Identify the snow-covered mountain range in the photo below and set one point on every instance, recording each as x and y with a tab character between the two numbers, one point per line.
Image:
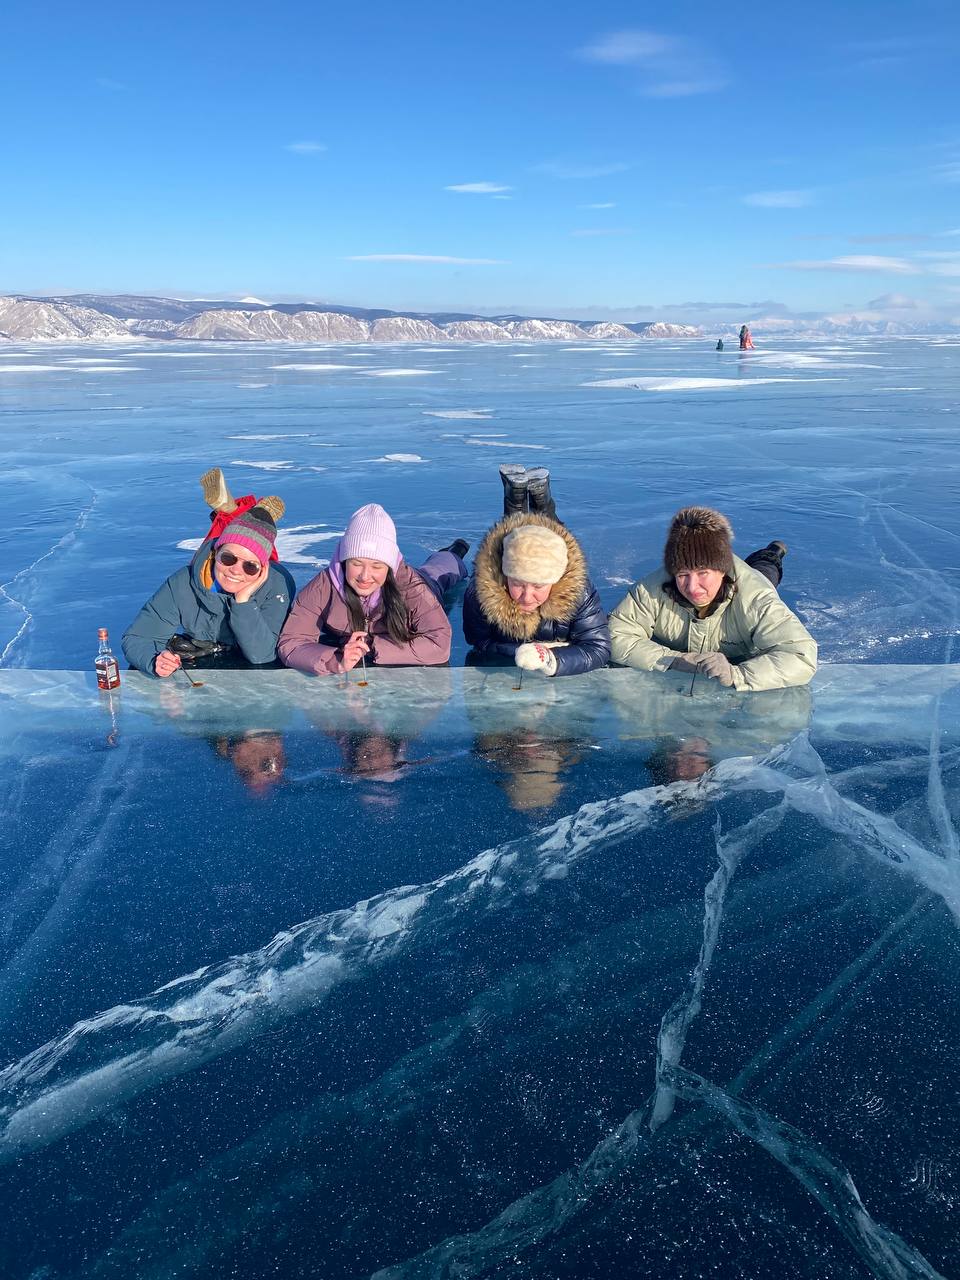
89	317
114	318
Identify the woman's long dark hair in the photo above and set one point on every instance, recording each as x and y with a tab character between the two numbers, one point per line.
396	615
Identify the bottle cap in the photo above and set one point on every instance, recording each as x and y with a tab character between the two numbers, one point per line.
101	633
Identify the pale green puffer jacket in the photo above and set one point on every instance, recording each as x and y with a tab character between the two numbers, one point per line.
768	646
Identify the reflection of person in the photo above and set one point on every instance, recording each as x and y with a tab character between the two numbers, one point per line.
230	602
530	600
711	612
531	765
679	760
259	758
369	604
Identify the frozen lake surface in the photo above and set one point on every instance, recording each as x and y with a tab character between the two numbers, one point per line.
845	451
436	978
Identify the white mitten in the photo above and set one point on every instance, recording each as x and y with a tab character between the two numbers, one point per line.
536	657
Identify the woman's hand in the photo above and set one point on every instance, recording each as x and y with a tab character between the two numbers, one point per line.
248	588
165	663
357	647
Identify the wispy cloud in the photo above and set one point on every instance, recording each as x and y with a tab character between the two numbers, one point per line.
426	257
779	199
603	231
478	188
305	148
889	237
112	86
603	204
667	66
857	262
567	169
948	172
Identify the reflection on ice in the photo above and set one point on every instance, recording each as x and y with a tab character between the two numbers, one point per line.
709	943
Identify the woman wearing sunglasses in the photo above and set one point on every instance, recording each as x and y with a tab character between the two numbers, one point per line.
227	606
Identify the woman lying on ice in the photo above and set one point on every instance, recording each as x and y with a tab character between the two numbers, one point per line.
371	605
530	600
224	609
708	611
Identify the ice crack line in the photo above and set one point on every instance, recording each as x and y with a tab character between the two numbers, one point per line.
63	541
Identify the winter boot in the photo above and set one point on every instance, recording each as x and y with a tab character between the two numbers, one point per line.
215	492
458	547
538	491
769	561
274	506
514	479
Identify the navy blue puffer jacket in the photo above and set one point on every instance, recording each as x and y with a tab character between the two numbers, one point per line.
572	617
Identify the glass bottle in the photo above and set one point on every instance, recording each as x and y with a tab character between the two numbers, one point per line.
105	664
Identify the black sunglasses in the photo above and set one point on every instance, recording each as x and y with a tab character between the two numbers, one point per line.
250	567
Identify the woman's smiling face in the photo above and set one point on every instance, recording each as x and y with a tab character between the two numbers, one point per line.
365	576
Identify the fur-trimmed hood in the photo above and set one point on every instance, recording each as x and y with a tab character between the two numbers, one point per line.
493	596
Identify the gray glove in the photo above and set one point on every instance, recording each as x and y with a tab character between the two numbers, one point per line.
686	662
717	667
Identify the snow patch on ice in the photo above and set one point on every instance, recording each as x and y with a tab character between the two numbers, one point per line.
503	444
695	384
279	435
398	373
313	368
292	543
399	457
457	413
263	466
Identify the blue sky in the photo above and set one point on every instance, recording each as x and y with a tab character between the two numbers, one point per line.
621	159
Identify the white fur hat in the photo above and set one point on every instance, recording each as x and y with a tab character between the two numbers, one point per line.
535	554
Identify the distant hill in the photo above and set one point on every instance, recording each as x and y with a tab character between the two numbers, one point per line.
111	318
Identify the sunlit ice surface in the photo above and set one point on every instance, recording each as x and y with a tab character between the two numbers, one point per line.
437	977
845	450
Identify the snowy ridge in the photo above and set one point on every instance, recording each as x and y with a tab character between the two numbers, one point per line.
57	319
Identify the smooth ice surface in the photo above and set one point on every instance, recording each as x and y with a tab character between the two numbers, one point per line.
850	459
441	978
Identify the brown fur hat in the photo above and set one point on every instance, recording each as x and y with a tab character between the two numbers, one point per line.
699	538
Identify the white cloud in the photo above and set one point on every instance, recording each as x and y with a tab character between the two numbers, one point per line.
478	188
779	199
305	148
426	257
563	169
603	204
857	262
669	66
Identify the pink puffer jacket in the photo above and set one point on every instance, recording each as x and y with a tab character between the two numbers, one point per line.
319	625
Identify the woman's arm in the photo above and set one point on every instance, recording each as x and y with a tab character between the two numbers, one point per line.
786	651
589	643
147	635
631	629
257	622
299	644
430	646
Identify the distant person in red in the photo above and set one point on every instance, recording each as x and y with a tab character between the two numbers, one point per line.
746	342
224	507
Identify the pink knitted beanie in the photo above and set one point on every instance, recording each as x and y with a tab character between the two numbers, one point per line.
370	535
